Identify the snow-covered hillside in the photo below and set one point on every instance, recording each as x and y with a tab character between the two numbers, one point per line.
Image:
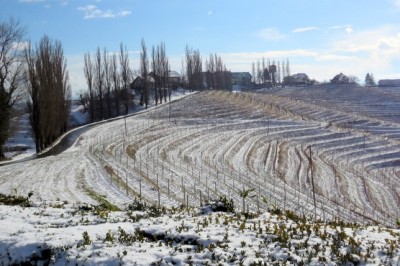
253	148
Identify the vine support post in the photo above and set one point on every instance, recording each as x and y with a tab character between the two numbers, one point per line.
312	181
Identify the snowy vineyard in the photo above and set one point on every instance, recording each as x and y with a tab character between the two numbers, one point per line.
220	143
261	150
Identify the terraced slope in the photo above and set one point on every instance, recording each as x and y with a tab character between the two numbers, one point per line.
221	143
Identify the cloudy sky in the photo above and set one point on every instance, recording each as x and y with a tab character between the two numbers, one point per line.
319	37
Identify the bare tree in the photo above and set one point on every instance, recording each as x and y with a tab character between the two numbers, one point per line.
160	69
144	70
116	82
218	77
125	73
287	68
210	68
262	70
198	69
165	70
253	72
220	70
11	73
283	69
99	81
272	71
88	70
278	72
155	68
194	68
107	81
189	66
49	90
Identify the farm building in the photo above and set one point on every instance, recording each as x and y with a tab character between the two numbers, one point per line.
241	78
297	79
173	80
389	83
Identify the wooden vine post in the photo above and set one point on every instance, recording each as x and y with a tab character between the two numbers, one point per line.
312	182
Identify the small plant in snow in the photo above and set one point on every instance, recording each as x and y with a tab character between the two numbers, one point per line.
245	194
109	237
86	240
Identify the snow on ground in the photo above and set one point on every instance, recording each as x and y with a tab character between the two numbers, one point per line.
61	233
79	115
220	143
21	144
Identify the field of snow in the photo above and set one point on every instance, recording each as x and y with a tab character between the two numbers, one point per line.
253	148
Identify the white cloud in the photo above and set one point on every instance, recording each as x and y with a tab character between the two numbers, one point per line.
373	50
270	34
31	1
339	27
349	30
210	13
384	40
298	30
335	57
91	12
396	4
20	46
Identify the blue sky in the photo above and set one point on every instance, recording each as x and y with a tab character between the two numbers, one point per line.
319	37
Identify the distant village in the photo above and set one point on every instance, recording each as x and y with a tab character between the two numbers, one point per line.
227	80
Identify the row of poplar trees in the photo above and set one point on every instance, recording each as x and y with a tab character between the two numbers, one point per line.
49	91
216	75
107	77
38	71
262	71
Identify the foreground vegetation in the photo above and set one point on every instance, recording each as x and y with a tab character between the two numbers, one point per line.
212	234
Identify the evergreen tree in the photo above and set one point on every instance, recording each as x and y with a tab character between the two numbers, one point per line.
369	80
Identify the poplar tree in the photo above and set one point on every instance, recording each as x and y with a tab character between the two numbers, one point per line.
144	70
49	91
88	70
125	74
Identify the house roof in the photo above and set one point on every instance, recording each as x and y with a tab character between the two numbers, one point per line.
173	74
300	76
241	75
389	82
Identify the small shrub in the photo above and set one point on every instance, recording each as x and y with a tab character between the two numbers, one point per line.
137	205
275	210
14	200
109	237
223	204
86	240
